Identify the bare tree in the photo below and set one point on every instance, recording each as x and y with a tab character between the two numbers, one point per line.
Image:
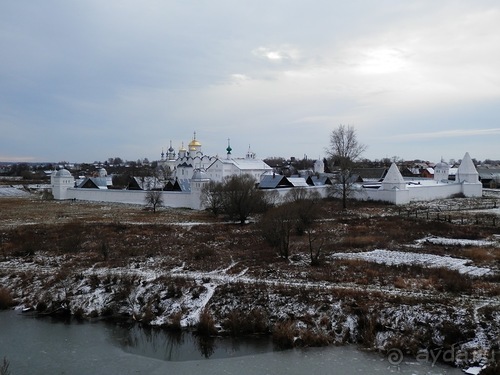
343	152
153	199
297	213
317	239
212	197
277	225
241	198
305	203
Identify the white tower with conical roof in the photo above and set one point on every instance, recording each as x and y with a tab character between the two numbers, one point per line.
467	172
393	179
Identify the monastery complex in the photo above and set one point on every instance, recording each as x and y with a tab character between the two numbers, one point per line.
190	169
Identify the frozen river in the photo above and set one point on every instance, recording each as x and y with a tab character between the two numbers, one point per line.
40	346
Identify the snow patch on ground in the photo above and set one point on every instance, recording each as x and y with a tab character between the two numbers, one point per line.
390	257
456	242
13	191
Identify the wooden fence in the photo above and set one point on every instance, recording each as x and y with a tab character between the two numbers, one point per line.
456	215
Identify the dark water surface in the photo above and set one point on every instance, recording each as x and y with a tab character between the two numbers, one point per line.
41	346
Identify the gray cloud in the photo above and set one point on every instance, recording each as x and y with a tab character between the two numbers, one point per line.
122	78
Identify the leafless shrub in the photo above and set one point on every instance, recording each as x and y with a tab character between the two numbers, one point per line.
492	369
283	334
175	321
78	314
108	311
241	322
41	306
6	299
148	314
451	281
313	338
206	324
197	290
367	323
453	334
480	255
122	293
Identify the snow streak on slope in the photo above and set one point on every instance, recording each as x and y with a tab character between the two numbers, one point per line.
408	258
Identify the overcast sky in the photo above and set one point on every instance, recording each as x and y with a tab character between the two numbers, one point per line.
89	80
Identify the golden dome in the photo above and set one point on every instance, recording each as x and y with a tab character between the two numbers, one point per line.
194	143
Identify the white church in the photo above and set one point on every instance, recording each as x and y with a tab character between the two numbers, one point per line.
191	170
183	164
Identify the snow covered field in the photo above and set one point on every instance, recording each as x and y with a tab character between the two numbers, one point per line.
13	191
396	257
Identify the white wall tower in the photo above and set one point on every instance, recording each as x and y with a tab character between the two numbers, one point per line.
61	181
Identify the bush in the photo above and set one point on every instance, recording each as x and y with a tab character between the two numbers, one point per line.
6	299
79	314
241	322
453	281
175	321
314	338
41	307
284	334
492	369
206	324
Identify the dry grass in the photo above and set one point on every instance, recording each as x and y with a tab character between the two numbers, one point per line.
83	235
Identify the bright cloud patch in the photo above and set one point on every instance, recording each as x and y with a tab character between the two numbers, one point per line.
279	54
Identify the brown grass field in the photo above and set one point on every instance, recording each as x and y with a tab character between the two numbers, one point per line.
145	263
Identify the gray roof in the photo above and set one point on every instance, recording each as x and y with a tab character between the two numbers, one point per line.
185	184
274	181
298	181
319	180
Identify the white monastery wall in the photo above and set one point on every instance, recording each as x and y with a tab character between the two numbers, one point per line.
472	190
170	198
430	192
392	196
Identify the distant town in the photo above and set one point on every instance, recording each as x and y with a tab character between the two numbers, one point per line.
119	168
